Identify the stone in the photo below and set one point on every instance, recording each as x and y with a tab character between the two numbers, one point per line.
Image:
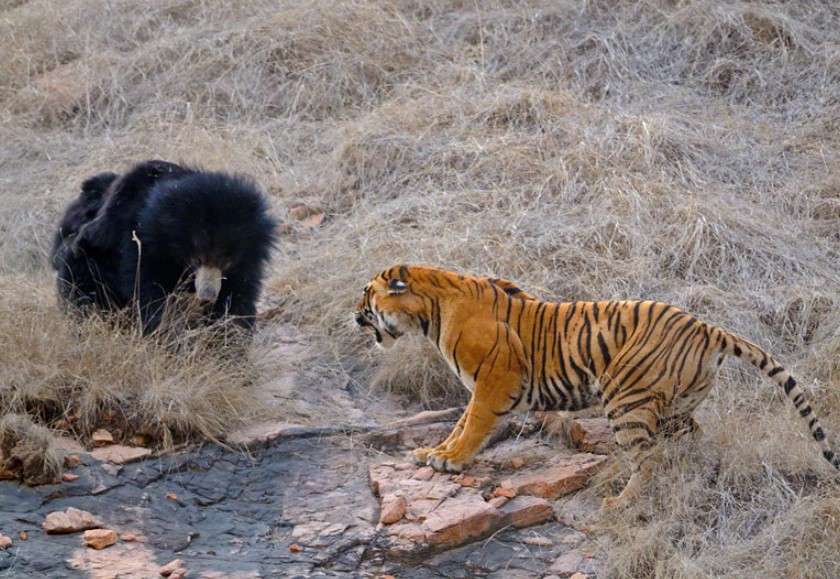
516	463
168	569
465	480
127	538
111	469
564	477
5	542
571	563
99	538
120	454
424	473
579	576
498	502
23	536
457	521
440	512
119	560
101	437
71	521
69	477
593	435
392	509
306	215
526	511
301	211
505	492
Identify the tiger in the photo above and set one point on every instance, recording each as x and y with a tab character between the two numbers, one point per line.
649	364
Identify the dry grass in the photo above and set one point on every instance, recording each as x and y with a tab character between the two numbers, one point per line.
79	375
28	451
683	151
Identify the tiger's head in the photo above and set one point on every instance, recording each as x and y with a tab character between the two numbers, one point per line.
390	307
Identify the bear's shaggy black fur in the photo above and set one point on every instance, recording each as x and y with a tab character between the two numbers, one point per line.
81	281
161	229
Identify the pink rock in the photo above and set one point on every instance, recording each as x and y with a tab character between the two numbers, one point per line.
526	511
99	538
381	474
458	520
392	510
70	521
102	437
171	567
564	477
593	435
424	473
498	502
5	542
119	454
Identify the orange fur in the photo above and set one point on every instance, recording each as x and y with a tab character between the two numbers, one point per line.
648	363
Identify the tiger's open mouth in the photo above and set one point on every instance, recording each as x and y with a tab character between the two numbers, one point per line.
366	319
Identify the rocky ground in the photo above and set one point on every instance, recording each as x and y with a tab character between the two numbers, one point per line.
315	502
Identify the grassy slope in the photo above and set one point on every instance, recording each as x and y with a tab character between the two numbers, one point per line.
667	149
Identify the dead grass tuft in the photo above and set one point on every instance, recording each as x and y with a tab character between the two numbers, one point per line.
87	373
29	452
682	151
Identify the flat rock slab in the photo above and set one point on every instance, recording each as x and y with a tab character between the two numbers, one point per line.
298	505
564	476
120	454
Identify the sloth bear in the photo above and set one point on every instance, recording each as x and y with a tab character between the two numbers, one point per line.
82	281
163	229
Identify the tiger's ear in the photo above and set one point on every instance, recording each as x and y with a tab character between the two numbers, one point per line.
396	287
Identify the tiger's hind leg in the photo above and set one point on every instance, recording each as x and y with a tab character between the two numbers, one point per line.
680	425
634	430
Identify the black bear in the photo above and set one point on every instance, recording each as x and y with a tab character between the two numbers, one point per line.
82	281
163	229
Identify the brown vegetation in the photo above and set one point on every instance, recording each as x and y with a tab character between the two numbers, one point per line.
667	149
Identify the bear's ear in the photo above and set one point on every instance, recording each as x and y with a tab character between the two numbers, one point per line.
396	287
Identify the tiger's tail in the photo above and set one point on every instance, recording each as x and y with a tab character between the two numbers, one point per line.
745	350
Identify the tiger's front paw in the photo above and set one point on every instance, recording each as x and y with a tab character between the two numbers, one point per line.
421	455
442	461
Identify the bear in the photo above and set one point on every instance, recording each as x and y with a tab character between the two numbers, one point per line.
166	230
81	281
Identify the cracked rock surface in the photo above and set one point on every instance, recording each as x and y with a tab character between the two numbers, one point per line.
311	502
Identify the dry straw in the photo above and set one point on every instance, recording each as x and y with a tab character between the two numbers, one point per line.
668	149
